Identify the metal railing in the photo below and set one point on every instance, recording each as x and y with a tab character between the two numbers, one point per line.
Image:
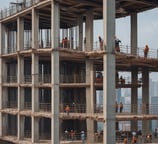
27	78
27	105
150	109
12	104
153	53
13	9
46	78
73	108
45	107
72	78
11	79
27	134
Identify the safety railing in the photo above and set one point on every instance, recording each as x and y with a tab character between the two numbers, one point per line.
27	105
72	135
45	107
17	7
11	79
46	78
27	78
27	133
12	104
149	109
153	53
73	108
73	78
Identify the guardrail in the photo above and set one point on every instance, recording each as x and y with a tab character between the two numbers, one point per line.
128	109
17	7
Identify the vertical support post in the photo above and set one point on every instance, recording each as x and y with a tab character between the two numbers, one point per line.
90	100
20	96
109	72
134	97
134	34
55	127
35	28
80	24
20	34
35	97
89	30
145	100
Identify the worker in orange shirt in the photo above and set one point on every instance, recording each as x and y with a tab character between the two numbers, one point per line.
146	50
67	109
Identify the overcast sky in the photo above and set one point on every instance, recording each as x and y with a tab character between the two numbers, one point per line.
147	28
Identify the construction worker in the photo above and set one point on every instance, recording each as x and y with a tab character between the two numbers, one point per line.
67	109
83	137
125	141
134	140
146	50
100	42
117	46
116	105
121	107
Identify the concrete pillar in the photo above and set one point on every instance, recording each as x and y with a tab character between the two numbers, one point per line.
55	74
2	45
145	100
80	24
20	96
20	127
134	33
134	98
4	124
20	34
71	37
89	30
35	28
35	72
2	38
35	129
109	72
90	100
35	97
20	79
4	90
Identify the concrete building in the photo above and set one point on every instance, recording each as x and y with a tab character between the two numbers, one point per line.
50	73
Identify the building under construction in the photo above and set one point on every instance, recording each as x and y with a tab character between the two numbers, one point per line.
51	72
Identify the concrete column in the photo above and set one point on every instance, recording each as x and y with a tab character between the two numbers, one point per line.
134	98
35	129
71	37
20	96
145	100
35	28
55	74
4	124
134	33
35	98
90	99
80	24
109	72
4	89
20	34
20	127
89	30
2	40
20	80
35	72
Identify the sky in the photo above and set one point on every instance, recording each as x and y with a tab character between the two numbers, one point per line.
147	29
